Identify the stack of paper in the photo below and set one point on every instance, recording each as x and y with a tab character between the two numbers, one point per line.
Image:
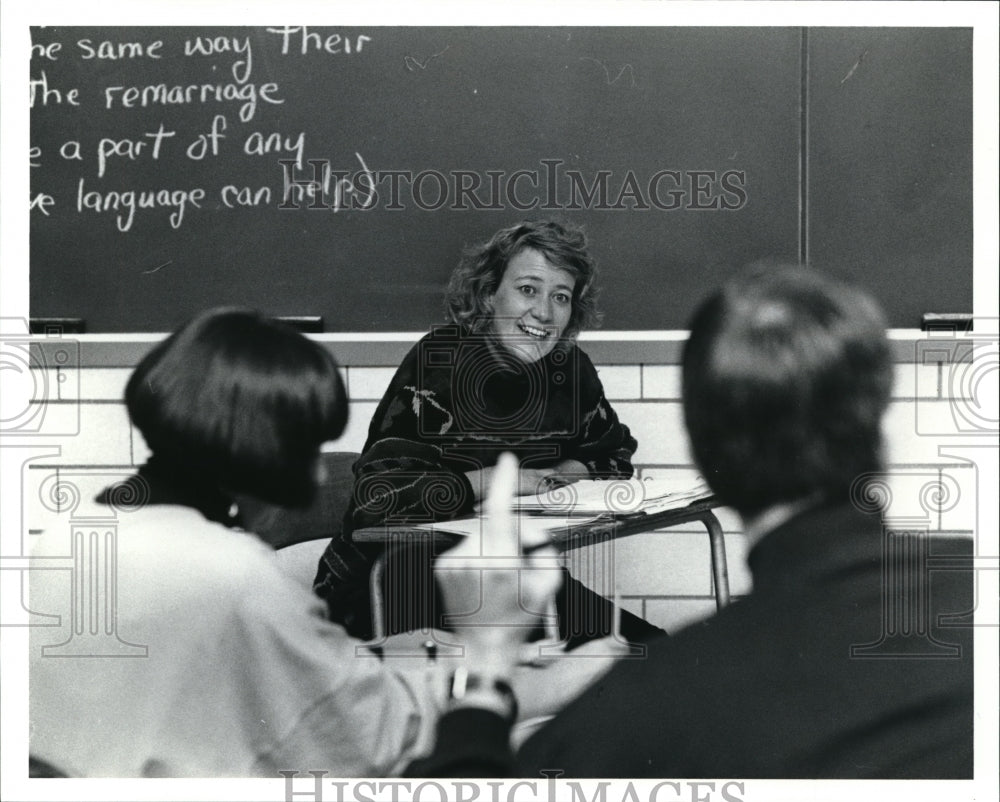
592	497
531	527
569	506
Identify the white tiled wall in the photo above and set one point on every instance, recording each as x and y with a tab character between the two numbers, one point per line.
664	576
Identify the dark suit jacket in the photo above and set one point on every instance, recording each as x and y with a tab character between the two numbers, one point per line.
840	663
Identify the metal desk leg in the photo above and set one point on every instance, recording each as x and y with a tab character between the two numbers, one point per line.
378	605
386	601
720	569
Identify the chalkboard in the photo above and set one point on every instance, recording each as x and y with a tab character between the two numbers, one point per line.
890	116
680	151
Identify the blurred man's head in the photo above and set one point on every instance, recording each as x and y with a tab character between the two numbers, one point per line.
787	374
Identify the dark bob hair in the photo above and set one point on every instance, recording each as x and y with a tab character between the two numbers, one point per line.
481	270
787	375
238	402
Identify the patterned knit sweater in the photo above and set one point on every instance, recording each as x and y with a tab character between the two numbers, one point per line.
456	403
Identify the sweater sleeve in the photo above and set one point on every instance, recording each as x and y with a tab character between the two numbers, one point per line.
400	480
605	445
402	477
329	703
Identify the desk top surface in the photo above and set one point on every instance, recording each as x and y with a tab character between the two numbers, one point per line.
564	532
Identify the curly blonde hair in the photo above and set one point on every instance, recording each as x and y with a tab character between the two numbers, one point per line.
481	270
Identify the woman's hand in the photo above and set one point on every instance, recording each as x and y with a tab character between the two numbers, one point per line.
493	584
527	481
531	481
565	473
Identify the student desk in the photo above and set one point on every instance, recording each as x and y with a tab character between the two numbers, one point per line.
605	528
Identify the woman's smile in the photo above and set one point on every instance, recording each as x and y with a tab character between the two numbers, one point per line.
533	305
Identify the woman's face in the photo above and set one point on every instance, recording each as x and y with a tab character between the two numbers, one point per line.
532	306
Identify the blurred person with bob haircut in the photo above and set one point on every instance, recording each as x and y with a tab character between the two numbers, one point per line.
236	405
218	663
786	379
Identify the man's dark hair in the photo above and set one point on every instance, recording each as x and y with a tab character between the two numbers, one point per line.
787	374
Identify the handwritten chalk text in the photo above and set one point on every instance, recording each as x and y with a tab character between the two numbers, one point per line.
49	95
209	143
551	188
210	46
333	44
42	203
129	97
258	144
49	51
131	149
115	51
232	197
358	190
125	203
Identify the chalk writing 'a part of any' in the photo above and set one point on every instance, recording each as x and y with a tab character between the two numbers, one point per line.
293	41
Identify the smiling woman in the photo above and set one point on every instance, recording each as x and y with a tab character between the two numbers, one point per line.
504	375
532	305
474	286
